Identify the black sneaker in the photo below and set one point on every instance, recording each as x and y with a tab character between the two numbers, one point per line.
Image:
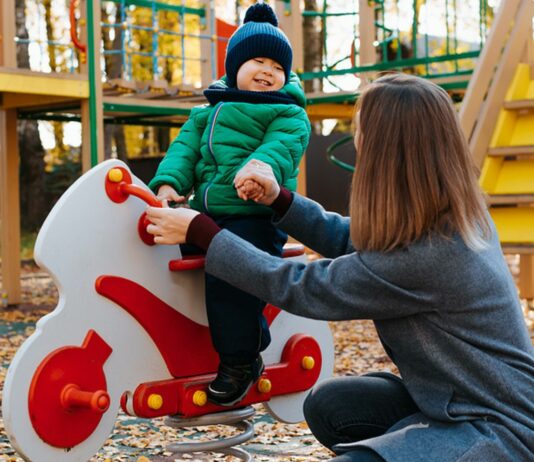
233	382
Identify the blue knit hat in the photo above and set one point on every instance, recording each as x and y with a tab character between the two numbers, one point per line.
259	36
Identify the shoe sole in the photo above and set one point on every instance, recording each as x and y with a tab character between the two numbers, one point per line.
239	398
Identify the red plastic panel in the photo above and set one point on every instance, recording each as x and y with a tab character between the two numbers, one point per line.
145	236
286	377
191	262
184	344
68	392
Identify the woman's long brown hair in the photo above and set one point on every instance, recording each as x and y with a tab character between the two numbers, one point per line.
414	176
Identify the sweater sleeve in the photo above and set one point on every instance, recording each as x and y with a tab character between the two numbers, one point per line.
340	289
284	143
325	232
177	168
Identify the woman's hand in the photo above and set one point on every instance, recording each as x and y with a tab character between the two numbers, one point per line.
169	226
262	174
168	193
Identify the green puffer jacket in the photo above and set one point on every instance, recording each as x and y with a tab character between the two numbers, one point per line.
219	139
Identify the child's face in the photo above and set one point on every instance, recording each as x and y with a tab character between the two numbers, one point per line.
260	74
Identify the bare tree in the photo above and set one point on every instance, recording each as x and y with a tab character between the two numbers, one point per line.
313	51
114	70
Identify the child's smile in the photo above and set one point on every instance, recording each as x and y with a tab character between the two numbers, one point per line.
263	82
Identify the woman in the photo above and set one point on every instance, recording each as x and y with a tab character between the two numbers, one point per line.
421	258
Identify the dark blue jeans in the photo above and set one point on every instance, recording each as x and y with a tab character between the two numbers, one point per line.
350	409
238	329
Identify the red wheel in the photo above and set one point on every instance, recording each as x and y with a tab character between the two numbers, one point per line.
68	393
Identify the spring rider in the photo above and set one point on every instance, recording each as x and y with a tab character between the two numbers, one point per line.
130	331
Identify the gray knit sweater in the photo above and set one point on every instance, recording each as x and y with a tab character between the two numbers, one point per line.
449	318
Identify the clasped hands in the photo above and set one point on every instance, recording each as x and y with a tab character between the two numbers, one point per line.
255	181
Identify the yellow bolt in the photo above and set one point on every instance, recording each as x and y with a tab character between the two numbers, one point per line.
264	386
115	175
155	401
200	398
82	22
287	13
308	362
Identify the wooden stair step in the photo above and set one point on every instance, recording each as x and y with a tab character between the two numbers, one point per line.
518	248
511	151
519	104
510	199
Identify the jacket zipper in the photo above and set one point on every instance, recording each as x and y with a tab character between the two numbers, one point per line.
210	148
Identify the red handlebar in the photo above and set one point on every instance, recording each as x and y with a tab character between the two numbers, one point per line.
137	191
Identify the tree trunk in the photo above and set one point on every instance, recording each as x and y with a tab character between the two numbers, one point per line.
114	134
313	51
32	173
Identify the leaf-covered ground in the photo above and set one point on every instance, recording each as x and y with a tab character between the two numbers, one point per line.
357	351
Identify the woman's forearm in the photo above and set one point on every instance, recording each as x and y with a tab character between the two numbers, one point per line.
201	231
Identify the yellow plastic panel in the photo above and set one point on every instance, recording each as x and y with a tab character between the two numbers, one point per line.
515	177
504	128
490	173
520	83
523	132
515	225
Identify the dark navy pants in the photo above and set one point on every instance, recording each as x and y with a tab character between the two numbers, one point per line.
351	409
238	329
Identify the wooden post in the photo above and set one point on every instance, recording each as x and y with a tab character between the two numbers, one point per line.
290	21
367	36
367	33
526	276
8	57
208	48
9	167
10	205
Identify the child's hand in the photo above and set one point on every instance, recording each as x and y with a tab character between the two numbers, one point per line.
168	193
261	173
250	190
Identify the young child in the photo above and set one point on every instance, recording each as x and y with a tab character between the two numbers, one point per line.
255	112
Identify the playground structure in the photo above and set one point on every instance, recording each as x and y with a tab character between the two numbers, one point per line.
372	41
132	332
